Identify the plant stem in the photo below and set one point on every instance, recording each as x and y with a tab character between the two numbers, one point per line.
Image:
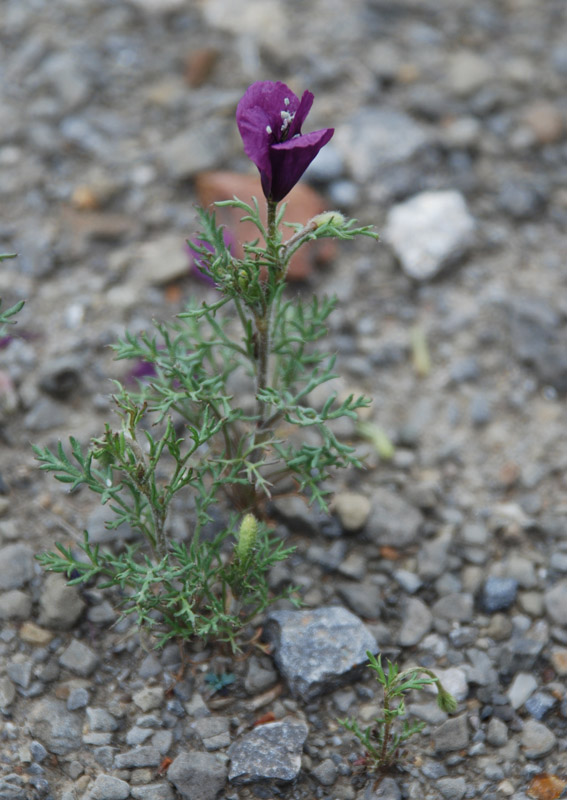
263	321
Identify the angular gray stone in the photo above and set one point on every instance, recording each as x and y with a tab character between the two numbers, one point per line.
497	732
318	651
200	148
451	735
387	789
454	607
16	566
362	597
417	622
429	232
197	776
60	605
325	772
498	594
392	521
57	729
108	788
214	731
269	752
523	686
556	603
99	719
144	756
452	788
153	791
260	676
378	137
79	658
15	605
537	740
7	693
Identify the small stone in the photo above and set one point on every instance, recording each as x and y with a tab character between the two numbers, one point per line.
260	676
269	752
537	740
522	687
467	72
54	726
20	670
198	149
214	731
539	704
197	776
102	614
149	697
108	788
387	789
33	634
497	732
352	510
318	651
137	736
454	607
409	581
79	658
429	232
99	719
144	756
556	603
417	622
498	594
7	693
363	598
15	605
325	772
60	605
559	660
392	521
150	667
161	261
451	735
153	791
16	566
545	121
78	698
452	788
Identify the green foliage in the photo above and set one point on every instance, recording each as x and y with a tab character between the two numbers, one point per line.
185	431
382	739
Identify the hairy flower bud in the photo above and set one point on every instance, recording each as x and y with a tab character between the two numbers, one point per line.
246	537
328	218
445	699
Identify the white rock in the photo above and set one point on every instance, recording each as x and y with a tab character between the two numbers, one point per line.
523	686
429	231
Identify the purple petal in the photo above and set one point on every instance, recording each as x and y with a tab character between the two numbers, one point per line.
290	160
302	111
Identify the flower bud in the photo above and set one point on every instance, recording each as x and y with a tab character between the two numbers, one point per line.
246	537
328	218
445	699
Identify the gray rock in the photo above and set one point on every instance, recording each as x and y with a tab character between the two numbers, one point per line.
417	622
374	138
137	736
161	261
214	731
521	199
452	788
15	605
480	410
523	685
144	756
200	148
78	698
326	772
537	740
270	752
467	72
102	614
539	704
451	735
387	789
20	670
7	693
260	676
79	658
555	600
153	791
392	520
149	697
60	605
433	554
108	788
16	566
197	776
60	376
45	415
57	729
327	166
429	232
498	594
99	719
318	651
497	732
363	598
297	515
454	607
409	581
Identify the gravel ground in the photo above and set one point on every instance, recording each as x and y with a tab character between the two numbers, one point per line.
454	553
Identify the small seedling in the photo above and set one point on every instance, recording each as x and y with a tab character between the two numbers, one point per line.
217	683
382	739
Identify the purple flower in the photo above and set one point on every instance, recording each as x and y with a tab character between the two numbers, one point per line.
269	118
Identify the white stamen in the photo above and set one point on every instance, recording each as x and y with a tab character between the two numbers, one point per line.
286	101
287	118
268	129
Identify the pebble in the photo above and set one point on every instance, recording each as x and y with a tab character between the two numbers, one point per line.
57	729
363	598
451	735
78	698
452	788
60	605
555	600
454	607
79	658
497	732
429	232
467	72
7	693
197	776
537	740
498	594
523	686
152	791
214	732
326	772
106	787
318	651
144	756
261	676
195	150
270	752
16	566
149	697
392	521
15	605
539	704
417	622
352	510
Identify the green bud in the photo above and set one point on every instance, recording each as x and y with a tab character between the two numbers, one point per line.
445	700
328	218
243	279
246	537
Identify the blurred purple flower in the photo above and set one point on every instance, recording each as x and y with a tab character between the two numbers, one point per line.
199	265
269	117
